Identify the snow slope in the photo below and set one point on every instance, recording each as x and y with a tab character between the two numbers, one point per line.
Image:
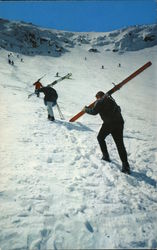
55	192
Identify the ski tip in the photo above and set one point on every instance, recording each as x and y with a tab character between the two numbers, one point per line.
69	74
150	62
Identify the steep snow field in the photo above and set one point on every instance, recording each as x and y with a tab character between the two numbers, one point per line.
55	192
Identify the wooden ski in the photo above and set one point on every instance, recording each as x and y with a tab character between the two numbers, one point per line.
115	88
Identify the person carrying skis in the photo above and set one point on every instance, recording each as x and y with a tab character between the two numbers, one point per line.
50	100
113	124
37	85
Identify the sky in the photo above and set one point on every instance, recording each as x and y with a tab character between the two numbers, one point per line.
81	16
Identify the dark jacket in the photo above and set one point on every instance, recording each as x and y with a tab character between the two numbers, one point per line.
109	111
50	94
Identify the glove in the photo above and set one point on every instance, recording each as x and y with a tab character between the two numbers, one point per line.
84	109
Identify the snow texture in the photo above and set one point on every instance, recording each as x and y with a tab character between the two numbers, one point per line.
55	192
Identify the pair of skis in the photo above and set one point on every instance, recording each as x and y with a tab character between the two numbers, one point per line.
60	79
67	76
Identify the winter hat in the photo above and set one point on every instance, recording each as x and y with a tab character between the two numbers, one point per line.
100	94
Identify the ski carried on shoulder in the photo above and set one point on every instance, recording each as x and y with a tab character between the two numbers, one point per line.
114	89
67	76
60	79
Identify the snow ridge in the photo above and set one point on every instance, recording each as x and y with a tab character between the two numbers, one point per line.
29	39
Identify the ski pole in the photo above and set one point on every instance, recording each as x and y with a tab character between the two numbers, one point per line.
60	113
30	95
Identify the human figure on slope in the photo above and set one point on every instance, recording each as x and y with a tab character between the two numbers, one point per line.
113	124
37	85
50	100
9	61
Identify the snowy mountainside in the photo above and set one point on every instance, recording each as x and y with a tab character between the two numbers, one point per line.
27	38
55	191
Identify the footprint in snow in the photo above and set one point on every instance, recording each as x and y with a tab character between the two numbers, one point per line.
49	160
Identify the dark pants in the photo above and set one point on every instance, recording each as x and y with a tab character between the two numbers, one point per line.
117	134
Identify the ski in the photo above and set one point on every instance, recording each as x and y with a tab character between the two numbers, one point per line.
67	76
115	88
40	78
60	79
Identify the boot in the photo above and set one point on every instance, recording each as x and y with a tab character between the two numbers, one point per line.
52	118
48	117
106	158
125	168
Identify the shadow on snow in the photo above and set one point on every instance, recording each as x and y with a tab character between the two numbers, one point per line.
74	126
143	177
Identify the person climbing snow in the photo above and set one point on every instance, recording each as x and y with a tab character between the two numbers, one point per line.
113	124
50	100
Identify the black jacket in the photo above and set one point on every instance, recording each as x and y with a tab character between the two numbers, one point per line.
109	111
50	94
